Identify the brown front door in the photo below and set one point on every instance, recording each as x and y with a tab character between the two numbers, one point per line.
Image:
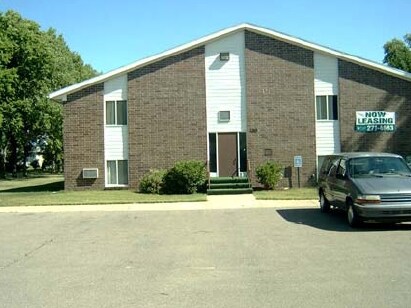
227	154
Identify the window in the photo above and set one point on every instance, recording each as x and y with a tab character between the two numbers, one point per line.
327	107
212	139
243	152
334	165
116	112
341	171
117	172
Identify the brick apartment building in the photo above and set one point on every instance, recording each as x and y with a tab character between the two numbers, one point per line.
234	99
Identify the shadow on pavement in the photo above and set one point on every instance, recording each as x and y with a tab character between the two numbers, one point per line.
334	221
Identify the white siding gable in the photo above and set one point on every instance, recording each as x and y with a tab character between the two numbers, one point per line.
225	83
326	75
115	137
116	89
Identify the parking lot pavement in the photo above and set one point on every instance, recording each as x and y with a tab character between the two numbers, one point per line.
250	257
212	203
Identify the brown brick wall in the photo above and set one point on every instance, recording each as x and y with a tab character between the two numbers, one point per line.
84	137
167	113
363	89
280	99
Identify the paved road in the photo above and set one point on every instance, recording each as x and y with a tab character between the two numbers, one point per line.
264	257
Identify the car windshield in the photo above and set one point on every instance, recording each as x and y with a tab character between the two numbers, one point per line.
377	166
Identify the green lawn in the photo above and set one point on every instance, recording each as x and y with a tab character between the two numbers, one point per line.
289	194
49	190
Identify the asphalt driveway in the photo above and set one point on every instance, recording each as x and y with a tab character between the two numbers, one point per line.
263	257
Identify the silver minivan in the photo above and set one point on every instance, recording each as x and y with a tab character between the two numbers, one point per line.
368	186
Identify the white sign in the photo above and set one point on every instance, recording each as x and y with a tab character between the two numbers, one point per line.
298	161
375	121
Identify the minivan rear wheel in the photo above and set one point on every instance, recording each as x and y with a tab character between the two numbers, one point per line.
324	204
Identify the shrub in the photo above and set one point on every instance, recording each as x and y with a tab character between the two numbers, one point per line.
185	177
269	174
152	182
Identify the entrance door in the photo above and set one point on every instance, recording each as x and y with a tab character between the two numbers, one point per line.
227	154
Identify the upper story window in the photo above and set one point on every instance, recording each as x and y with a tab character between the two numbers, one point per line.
116	112
327	107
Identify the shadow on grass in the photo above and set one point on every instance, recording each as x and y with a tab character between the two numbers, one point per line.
55	186
335	220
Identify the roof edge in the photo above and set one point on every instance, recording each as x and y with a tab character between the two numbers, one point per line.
62	93
329	51
59	94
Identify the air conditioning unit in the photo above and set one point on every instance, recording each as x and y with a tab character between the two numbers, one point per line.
90	173
224	116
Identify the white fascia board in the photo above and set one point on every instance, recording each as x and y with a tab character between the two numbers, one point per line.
62	93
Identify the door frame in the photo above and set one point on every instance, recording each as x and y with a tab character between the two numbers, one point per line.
217	173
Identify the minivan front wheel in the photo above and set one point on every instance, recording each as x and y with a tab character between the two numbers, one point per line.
324	204
352	217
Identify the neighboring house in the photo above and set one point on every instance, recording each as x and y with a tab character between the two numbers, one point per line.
235	99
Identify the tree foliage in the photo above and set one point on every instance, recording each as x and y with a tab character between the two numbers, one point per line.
33	63
398	53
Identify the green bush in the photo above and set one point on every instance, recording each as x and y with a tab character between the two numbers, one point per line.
152	182
269	174
185	177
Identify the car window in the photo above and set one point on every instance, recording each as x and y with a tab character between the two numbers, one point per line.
358	166
341	170
325	165
334	165
369	166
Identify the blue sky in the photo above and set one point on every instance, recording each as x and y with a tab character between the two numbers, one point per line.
110	34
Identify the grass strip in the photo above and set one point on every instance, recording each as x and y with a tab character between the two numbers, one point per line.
289	194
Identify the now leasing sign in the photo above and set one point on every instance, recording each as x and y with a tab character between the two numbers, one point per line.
375	121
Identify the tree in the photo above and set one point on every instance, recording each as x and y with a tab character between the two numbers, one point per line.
398	53
32	64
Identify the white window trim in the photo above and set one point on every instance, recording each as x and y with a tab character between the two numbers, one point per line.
106	174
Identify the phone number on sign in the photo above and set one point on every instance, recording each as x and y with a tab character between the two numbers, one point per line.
375	128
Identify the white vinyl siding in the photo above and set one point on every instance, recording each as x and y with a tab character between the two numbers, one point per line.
225	84
325	74
116	142
116	89
116	136
327	129
328	137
